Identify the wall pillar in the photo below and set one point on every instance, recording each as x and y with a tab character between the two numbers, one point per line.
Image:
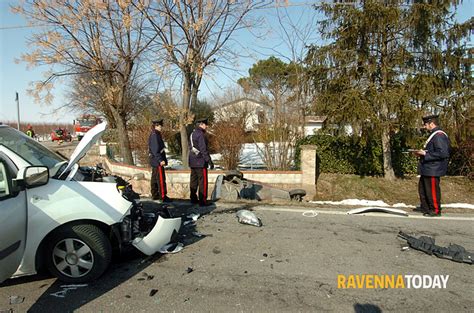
309	167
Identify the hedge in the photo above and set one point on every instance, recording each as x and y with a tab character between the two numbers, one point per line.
354	155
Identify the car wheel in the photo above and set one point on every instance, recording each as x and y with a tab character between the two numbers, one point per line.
78	253
233	173
297	194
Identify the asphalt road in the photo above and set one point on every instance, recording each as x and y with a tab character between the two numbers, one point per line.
290	264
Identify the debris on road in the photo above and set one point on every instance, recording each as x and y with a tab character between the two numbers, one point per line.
378	209
189	270
189	223
66	289
247	217
427	244
16	299
193	216
310	213
197	234
171	248
153	292
233	186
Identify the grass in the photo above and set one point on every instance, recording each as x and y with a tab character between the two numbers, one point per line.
336	187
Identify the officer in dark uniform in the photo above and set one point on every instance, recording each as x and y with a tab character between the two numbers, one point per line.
156	149
433	163
199	162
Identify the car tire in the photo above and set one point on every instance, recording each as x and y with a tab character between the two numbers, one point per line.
78	253
233	173
297	194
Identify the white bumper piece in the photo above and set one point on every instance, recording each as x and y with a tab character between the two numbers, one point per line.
159	236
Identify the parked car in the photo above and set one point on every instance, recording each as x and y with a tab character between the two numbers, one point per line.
60	134
66	218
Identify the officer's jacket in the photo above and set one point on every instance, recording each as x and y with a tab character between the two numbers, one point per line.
199	156
156	149
435	162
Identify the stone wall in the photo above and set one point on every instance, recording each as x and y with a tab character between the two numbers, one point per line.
178	180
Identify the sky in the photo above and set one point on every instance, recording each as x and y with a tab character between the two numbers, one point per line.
266	40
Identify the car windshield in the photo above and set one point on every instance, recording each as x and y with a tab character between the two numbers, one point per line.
29	149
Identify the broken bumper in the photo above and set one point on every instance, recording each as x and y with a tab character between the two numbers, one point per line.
160	235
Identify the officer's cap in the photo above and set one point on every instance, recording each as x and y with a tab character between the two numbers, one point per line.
202	120
429	118
157	122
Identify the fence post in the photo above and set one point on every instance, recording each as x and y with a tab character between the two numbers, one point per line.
309	167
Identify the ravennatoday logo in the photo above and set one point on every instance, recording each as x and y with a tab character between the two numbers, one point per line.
394	281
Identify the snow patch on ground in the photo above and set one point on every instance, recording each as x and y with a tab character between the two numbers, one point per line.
458	205
380	203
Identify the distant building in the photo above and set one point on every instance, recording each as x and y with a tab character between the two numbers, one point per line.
312	124
252	112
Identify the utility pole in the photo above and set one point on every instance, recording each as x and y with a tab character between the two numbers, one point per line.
17	111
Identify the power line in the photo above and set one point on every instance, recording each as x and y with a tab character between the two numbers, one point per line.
22	26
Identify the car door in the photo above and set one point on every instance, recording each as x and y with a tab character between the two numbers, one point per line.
13	220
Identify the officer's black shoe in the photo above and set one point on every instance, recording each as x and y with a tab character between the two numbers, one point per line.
419	209
207	203
167	200
431	214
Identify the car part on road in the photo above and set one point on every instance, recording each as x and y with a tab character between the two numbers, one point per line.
78	253
229	175
427	244
247	217
377	209
297	194
171	248
232	186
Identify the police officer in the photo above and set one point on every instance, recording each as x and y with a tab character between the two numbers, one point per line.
156	149
433	163
199	162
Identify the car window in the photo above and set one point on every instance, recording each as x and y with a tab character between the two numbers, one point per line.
29	149
4	190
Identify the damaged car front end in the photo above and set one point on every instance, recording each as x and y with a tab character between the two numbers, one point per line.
76	220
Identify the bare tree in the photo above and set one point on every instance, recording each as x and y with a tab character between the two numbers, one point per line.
100	40
194	35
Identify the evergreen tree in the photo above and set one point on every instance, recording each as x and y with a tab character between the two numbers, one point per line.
379	71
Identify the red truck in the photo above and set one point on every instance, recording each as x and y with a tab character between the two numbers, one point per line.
84	123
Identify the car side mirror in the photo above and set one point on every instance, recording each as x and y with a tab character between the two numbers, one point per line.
33	176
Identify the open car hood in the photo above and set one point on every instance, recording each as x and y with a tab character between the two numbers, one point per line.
89	139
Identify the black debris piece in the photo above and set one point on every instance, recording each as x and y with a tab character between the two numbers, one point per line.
150	277
141	279
427	244
153	292
245	272
128	296
189	270
43	285
265	255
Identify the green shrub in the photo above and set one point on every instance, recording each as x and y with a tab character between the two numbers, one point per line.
356	155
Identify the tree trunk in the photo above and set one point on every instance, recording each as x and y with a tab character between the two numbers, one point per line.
386	146
387	155
183	120
124	141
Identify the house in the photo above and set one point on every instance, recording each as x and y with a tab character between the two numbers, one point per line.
252	112
312	124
